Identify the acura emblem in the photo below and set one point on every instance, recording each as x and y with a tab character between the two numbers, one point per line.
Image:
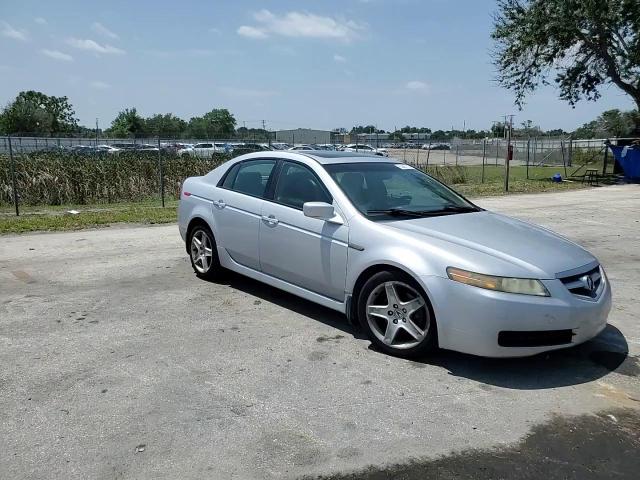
588	282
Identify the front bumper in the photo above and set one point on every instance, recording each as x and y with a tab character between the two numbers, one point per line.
470	319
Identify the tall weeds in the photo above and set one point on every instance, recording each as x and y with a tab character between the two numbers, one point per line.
53	178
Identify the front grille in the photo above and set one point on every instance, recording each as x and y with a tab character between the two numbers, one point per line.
534	338
586	284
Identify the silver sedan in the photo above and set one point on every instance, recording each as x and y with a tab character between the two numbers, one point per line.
410	261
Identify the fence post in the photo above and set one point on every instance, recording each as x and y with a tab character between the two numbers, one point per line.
564	162
497	150
507	162
570	156
160	173
528	145
457	154
418	157
484	154
444	157
428	153
13	178
605	160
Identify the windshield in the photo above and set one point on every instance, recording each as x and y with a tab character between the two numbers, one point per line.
380	190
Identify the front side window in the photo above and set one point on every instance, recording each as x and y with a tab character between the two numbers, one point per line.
297	185
250	177
383	190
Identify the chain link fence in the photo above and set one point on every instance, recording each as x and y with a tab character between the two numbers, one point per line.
50	171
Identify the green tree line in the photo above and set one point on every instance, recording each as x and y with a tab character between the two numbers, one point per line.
35	113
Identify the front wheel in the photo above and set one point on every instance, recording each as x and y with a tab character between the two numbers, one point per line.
396	314
203	253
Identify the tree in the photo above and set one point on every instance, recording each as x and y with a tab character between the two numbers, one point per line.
528	130
167	125
218	123
611	123
36	113
397	136
498	129
586	43
365	129
127	123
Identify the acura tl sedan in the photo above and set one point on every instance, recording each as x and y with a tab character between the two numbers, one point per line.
412	262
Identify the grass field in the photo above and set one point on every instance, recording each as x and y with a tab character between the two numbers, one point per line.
89	216
465	179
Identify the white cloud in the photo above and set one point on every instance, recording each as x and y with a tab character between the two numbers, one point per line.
339	58
299	24
10	32
40	21
57	55
99	85
251	32
92	46
417	85
215	30
104	31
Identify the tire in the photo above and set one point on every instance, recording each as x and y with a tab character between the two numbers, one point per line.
203	253
397	316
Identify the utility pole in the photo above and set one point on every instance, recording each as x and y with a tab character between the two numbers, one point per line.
97	130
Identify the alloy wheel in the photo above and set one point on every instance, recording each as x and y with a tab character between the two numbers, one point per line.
201	251
398	315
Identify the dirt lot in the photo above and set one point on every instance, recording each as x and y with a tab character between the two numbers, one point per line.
118	363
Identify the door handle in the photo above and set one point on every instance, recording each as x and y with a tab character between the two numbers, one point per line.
219	203
271	220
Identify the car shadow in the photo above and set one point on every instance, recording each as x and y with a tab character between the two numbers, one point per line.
291	302
583	363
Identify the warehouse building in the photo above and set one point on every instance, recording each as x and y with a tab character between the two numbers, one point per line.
304	135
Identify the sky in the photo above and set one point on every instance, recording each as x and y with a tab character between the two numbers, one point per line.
313	64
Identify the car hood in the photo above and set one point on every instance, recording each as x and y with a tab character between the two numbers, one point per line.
537	250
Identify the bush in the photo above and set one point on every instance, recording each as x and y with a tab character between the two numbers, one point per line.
56	178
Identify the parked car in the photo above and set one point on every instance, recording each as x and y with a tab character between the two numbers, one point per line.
204	150
404	256
302	147
280	146
145	147
108	149
358	147
124	146
439	146
244	148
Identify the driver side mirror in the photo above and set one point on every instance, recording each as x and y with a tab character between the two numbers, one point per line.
321	211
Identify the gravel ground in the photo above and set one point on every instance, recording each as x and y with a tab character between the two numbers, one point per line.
118	363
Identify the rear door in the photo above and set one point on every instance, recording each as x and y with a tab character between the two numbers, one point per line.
237	209
308	252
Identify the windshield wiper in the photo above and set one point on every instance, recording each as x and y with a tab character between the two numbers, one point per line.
457	209
450	209
396	211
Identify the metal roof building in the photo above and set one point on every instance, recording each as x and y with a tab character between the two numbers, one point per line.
304	135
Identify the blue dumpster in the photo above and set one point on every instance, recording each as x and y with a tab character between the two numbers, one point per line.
629	160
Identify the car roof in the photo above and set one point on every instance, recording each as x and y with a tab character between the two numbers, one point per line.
324	157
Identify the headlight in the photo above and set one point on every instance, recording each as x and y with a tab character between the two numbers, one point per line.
524	286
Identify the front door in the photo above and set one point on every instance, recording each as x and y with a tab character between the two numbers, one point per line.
307	252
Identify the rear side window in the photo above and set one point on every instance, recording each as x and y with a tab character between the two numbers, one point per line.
231	176
249	177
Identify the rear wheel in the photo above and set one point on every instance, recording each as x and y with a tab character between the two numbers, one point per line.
396	314
203	253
